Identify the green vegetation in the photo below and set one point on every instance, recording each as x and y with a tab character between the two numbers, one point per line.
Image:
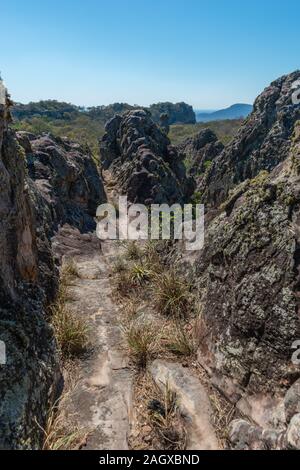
225	130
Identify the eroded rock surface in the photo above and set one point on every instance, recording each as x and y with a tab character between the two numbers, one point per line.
60	184
148	169
262	142
248	277
66	176
200	151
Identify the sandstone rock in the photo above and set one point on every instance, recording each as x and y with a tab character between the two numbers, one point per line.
193	402
148	169
293	433
262	142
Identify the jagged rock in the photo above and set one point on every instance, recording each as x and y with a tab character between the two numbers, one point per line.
179	113
200	151
248	279
262	142
292	401
148	169
29	378
60	184
66	176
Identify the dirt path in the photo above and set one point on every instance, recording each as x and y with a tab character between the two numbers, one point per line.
102	400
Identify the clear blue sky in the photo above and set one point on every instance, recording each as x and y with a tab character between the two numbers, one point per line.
208	53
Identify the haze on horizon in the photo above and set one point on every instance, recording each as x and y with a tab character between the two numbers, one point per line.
95	52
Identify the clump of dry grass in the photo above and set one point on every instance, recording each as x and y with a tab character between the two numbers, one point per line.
184	340
70	331
181	343
171	294
133	252
142	339
124	285
69	270
166	419
60	433
119	265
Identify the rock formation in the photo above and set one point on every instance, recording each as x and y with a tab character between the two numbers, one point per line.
148	169
67	177
262	142
60	185
200	151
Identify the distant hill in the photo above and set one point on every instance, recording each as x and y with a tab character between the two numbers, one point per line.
179	113
236	111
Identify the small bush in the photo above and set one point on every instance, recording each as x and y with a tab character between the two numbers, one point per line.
171	295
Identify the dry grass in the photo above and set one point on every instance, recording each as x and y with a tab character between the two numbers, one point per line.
69	270
71	332
132	251
119	265
140	274
124	285
181	342
142	339
171	294
166	419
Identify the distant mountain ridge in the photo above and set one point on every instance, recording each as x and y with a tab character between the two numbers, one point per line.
178	113
236	111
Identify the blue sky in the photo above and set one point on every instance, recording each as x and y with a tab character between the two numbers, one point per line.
89	52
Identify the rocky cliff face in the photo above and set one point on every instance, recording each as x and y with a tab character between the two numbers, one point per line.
60	185
262	142
248	274
200	151
29	377
148	169
66	176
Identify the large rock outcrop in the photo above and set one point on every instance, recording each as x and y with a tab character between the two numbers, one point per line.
148	169
200	151
262	142
66	176
29	376
248	278
44	183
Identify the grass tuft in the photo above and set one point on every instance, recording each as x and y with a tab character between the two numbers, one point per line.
171	295
142	339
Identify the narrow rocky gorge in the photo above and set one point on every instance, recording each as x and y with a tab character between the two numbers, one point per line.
209	369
